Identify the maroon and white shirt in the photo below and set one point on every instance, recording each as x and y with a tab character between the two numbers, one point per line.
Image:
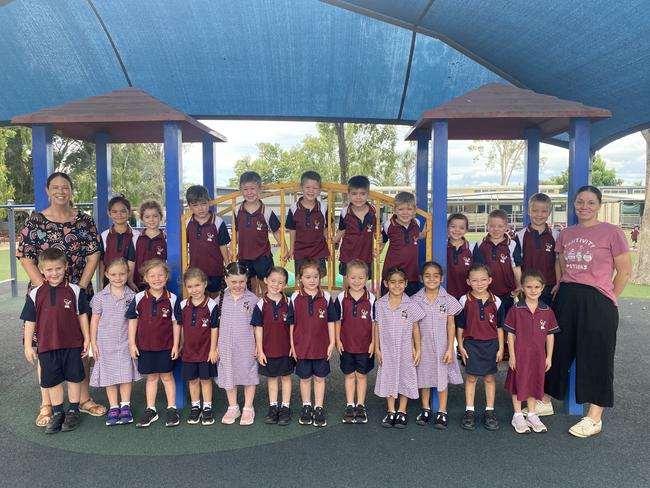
356	318
358	237
197	322
155	320
402	248
538	251
480	320
459	260
501	259
147	248
253	231
115	245
309	225
272	316
204	241
310	317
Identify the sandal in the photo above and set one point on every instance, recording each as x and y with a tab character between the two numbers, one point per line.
44	415
92	408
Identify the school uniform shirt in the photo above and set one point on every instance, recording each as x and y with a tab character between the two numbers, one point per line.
501	259
480	320
155	320
538	251
356	318
403	247
358	237
272	316
115	245
309	225
56	310
204	241
147	248
197	322
459	260
310	317
253	231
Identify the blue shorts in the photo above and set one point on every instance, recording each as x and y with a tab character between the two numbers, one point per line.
482	357
361	363
61	365
306	368
155	362
343	269
259	267
204	370
277	367
214	284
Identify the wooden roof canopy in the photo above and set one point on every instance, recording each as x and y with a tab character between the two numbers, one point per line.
129	115
495	111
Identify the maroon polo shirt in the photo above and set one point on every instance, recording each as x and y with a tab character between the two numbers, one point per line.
116	245
403	247
272	317
253	231
538	251
459	260
356	318
358	237
147	248
309	225
479	320
155	320
310	317
56	310
204	241
529	325
500	258
197	322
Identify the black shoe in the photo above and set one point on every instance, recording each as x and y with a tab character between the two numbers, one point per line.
469	420
273	415
423	417
319	417
400	420
284	416
360	414
306	415
348	416
172	419
55	423
441	421
148	418
207	416
490	420
389	420
195	415
71	421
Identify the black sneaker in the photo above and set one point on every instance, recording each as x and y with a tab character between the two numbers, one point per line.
490	420
172	419
306	415
55	423
348	416
469	420
273	415
284	416
195	415
71	421
148	417
423	417
360	414
400	420
207	416
319	417
389	420
441	421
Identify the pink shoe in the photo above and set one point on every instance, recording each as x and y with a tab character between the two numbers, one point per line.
231	415
248	416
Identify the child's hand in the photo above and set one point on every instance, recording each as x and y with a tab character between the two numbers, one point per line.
95	350
512	363
30	355
84	350
288	256
416	357
292	353
515	292
261	357
371	350
449	356
330	349
499	354
174	353
339	346
133	349
554	291
378	356
463	354
213	356
548	363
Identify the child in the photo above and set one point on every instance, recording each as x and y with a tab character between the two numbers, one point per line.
530	325
198	317
311	327
117	242
307	224
635	236
236	345
459	255
397	346
114	369
480	343
273	344
154	340
403	232
355	315
537	244
356	226
151	243
253	221
57	312
207	238
438	364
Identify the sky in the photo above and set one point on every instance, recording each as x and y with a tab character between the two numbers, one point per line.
626	155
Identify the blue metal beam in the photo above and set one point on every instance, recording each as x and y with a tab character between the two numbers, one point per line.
209	180
104	178
439	190
43	156
531	167
422	183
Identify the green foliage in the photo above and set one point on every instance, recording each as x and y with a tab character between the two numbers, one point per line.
6	188
601	175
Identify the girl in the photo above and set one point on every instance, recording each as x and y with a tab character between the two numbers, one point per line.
273	344
530	324
198	319
438	364
236	345
459	255
114	368
311	318
152	242
154	340
397	346
117	242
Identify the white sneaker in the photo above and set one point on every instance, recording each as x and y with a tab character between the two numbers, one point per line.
231	415
519	424
535	423
586	428
541	409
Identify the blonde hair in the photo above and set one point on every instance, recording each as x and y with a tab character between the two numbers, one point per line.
117	262
357	263
195	273
151	264
404	198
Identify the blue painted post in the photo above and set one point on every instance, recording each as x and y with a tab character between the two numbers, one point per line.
422	184
104	179
208	165
173	138
531	167
43	156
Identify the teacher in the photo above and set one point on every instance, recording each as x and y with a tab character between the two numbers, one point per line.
62	226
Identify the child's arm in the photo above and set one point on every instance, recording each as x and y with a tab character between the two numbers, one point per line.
213	357
130	281
338	236
451	333
371	348
177	339
330	331
339	344
225	252
28	335
83	325
278	239
293	347
416	343
292	243
94	325
375	340
558	276
550	343
89	270
461	349
261	357
133	328
517	272
501	339
512	361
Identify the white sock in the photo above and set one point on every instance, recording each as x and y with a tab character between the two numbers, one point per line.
170	406
207	405
531	414
519	414
442	411
487	409
350	404
471	409
196	404
125	404
285	405
306	403
152	408
113	406
274	404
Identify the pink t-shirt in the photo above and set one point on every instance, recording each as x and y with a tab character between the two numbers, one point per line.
589	254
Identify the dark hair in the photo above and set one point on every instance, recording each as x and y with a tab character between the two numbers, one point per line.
119	199
310	175
197	194
59	174
458	216
279	270
309	263
590	189
356	263
431	264
530	274
52	254
236	269
395	270
499	214
195	273
478	267
360	182
250	177
117	262
150	205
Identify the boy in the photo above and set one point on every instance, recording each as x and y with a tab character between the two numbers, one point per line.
152	241
356	226
403	232
207	238
537	244
57	311
252	223
354	317
307	224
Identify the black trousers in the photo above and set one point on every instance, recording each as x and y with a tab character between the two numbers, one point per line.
588	322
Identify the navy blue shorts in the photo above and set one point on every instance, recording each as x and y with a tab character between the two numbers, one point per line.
61	365
155	362
482	357
214	284
204	370
259	267
343	269
277	367
306	368
360	362
322	262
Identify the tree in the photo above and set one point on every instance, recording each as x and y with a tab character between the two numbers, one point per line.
18	158
507	156
641	274
601	175
6	189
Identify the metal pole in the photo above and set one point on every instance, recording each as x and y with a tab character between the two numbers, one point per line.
422	185
531	168
11	220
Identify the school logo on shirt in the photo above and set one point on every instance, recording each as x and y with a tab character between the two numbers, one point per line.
246	306
405	315
415	240
321	313
165	312
467	261
542	324
503	257
128	301
159	250
260	226
316	224
205	322
67	303
364	313
549	247
210	236
443	308
369	228
284	316
491	317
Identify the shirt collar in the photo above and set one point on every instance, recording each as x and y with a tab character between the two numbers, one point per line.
547	229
